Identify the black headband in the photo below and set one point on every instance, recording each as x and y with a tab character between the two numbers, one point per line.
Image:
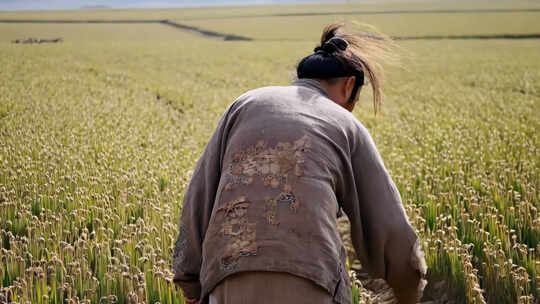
323	64
333	45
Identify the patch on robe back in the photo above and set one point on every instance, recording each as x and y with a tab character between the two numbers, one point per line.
277	168
274	166
239	232
286	197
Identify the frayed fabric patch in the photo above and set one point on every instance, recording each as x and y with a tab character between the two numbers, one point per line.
275	167
240	234
287	198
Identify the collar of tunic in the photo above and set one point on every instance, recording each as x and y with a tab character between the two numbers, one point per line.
312	84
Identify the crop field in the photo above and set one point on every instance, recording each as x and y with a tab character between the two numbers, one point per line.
99	135
266	10
409	25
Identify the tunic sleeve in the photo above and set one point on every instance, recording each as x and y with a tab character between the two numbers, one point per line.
196	211
385	242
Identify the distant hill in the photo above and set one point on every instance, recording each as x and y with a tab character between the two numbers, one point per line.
95	7
107	4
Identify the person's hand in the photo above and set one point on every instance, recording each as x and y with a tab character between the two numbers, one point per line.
191	301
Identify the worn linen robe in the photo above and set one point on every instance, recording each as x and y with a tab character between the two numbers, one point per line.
282	164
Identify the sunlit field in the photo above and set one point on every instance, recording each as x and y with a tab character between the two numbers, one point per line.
99	135
408	25
265	10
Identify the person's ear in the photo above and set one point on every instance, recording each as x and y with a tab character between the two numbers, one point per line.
349	86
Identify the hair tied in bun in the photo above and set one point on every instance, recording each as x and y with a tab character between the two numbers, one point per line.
333	45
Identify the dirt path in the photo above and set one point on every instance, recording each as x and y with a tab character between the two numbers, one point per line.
234	37
184	27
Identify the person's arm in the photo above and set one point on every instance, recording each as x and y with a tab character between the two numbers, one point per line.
196	211
385	242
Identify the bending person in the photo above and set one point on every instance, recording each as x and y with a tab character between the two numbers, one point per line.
259	217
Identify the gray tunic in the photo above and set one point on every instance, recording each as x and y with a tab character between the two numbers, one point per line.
267	191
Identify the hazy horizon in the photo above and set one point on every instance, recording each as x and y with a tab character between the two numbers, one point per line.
9	5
